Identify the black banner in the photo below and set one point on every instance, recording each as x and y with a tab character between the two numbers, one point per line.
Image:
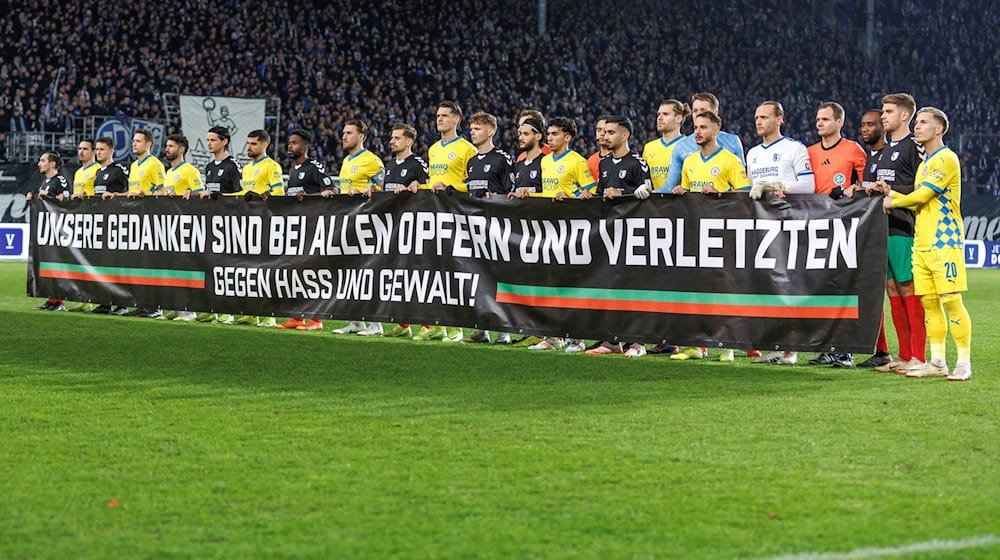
800	273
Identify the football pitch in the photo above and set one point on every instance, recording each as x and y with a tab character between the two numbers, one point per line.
133	438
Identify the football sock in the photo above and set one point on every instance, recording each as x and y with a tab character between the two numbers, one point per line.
937	328
960	325
901	322
918	334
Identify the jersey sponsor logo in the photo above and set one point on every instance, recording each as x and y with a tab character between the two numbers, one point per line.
715	171
622	173
839	179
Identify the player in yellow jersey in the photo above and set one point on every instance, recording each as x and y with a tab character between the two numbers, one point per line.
657	153
938	253
448	158
146	173
182	178
262	175
83	178
565	173
362	172
712	169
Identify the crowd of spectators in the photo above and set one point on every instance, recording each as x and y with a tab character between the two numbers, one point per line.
330	61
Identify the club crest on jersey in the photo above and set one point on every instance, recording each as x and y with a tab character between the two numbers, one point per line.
256	172
561	169
105	176
533	174
451	155
354	169
874	165
219	173
715	171
894	156
177	177
486	168
776	157
302	175
839	179
403	172
622	173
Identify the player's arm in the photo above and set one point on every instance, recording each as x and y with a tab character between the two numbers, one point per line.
738	179
805	181
275	183
674	174
685	182
586	185
158	177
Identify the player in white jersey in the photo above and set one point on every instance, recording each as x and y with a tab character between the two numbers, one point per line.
779	158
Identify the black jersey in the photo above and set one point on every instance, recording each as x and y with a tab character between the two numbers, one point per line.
309	177
897	165
871	164
399	174
224	176
55	186
528	174
490	172
626	173
112	179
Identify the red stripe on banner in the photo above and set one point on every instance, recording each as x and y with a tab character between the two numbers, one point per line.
118	279
683	308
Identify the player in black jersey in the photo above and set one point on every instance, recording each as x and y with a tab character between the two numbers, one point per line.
306	176
223	175
623	171
54	186
896	169
490	170
405	171
528	170
112	179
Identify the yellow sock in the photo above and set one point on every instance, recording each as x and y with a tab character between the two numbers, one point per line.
936	324
960	325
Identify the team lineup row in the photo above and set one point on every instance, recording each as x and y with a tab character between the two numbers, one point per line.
926	272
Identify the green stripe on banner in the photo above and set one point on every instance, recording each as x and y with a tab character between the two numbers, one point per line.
681	297
122	271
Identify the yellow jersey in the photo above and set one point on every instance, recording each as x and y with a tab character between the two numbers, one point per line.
448	163
657	154
183	177
83	179
146	175
360	171
722	170
568	172
939	214
263	176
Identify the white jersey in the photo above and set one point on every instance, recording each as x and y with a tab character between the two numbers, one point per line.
784	160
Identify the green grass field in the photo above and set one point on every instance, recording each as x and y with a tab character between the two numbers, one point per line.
131	438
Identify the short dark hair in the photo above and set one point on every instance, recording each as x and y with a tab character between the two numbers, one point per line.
531	113
453	106
358	124
408	131
89	141
180	140
535	123
107	141
307	138
565	124
837	108
712	117
483	118
620	120
260	135
54	157
220	131
146	134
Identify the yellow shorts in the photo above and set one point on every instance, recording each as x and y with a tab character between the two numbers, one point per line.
939	271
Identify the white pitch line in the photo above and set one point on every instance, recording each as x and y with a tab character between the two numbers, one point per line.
866	553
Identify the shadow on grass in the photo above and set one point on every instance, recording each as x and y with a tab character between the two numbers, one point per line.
100	355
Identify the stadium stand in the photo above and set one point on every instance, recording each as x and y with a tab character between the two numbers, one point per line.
329	61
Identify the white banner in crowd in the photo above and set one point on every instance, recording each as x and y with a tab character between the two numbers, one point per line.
239	115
